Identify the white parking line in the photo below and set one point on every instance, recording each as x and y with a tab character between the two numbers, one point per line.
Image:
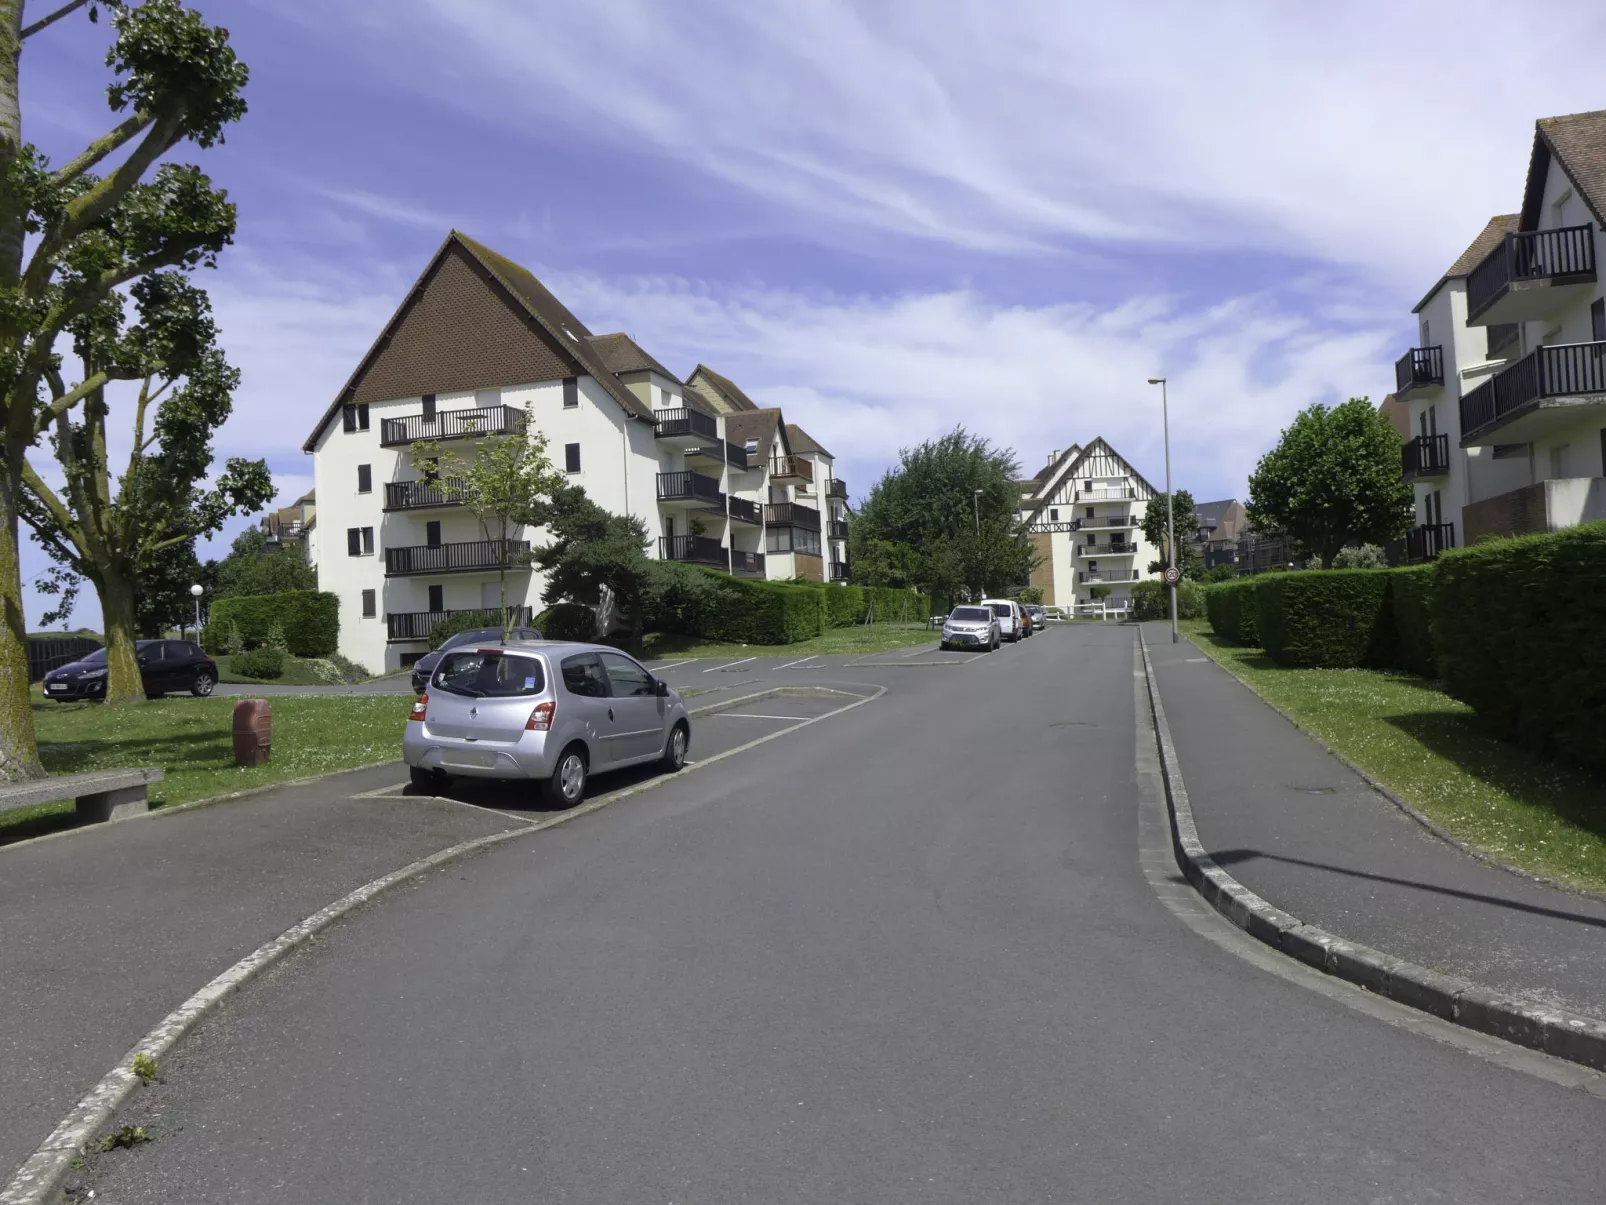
660	668
743	715
743	661
790	664
925	648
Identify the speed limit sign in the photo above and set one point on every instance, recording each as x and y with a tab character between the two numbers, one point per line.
1173	575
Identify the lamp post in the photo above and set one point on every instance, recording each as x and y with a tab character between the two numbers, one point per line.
1170	535
195	592
975	506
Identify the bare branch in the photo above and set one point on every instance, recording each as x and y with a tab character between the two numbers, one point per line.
66	401
64	11
101	147
57	510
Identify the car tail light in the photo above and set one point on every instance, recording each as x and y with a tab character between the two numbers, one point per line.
541	718
420	707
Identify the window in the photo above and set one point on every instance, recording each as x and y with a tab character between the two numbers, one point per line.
437	598
429	407
792	539
626	678
571	392
490	675
365	478
1560	460
353	541
582	675
431	469
751	446
368	541
1089	510
370	604
1597	319
149	652
1053	515
432	533
354	418
571	457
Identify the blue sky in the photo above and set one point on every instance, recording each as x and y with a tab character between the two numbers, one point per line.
886	217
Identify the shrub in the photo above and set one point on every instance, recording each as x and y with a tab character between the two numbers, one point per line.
1363	556
1335	619
275	639
310	621
1230	607
567	621
258	663
1410	601
844	605
1152	600
1517	628
233	642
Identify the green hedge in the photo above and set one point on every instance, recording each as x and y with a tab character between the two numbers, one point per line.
311	621
1332	618
567	621
258	663
1411	602
844	605
1230	607
1152	600
1519	627
699	601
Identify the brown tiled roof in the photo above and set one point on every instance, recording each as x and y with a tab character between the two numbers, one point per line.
726	387
623	354
1488	239
1578	140
802	441
762	425
698	400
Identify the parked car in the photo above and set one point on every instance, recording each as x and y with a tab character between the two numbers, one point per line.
1009	618
970	627
164	666
554	713
425	665
1039	615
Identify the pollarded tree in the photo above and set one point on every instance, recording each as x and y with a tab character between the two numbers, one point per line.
595	556
74	235
1332	478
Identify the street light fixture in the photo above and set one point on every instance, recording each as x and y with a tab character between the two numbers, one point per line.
975	506
195	592
1170	535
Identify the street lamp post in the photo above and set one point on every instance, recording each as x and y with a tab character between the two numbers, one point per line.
1170	534
195	592
975	506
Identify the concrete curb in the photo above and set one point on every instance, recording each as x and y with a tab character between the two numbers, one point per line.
1552	1031
42	1173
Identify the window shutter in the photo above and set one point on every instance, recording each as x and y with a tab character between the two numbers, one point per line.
365	478
362	417
348	418
437	598
368	539
429	407
571	457
353	541
432	533
571	392
369	604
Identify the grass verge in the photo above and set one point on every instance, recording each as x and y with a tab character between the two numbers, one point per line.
191	739
876	638
1431	750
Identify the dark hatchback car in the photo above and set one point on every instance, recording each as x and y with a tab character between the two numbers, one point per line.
164	666
425	665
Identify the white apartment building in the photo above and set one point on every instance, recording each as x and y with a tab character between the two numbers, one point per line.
1083	513
479	348
1507	387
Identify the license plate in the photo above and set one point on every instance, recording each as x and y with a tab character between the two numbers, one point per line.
476	758
57	686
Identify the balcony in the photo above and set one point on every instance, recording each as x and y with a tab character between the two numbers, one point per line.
1549	388
1421	368
1424	543
1099	577
698	550
1531	274
474	556
1106	493
684	426
418	625
1541	507
792	514
1104	523
747	564
706	455
451	424
1424	457
837	529
1113	548
791	468
690	489
736	457
423	495
837	489
1502	340
839	571
744	511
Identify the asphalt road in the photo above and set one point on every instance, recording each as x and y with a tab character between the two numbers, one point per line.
911	958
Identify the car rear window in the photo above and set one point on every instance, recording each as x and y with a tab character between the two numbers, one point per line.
489	675
971	614
1001	610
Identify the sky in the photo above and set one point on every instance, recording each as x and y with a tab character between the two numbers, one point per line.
889	218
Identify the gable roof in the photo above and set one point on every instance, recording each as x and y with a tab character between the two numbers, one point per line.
698	400
765	426
802	441
725	387
1036	489
1098	447
1477	251
623	354
547	338
1578	142
1212	513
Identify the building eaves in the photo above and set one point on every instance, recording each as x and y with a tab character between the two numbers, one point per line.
623	354
697	400
727	388
1578	142
1477	251
802	441
765	426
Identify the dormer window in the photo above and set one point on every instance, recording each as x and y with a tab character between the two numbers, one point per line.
752	446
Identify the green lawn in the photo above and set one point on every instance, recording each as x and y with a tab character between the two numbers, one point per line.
1432	751
877	638
191	739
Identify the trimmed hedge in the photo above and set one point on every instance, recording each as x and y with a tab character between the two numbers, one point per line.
310	619
1230	607
1151	600
1519	627
1331	618
1411	602
258	663
844	605
699	601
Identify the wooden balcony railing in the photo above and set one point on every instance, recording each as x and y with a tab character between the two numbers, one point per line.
684	421
792	514
792	466
837	529
418	625
1419	368
751	563
455	558
736	457
687	486
1565	370
839	571
1094	577
1102	522
1425	456
703	550
744	510
837	489
415	495
451	424
1107	493
1113	548
1424	543
1530	255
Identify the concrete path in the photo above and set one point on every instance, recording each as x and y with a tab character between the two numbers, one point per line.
1311	837
912	958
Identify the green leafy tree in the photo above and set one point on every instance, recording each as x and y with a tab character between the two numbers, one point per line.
874	562
250	569
507	482
1332	478
73	236
1185	521
595	557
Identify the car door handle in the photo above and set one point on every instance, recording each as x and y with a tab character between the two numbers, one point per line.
610	713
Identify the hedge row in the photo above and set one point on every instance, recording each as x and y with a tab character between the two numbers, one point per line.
1152	600
311	621
715	606
1230	607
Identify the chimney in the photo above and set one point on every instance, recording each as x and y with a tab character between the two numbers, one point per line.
1053	456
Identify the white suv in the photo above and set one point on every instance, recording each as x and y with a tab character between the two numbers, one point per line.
1010	618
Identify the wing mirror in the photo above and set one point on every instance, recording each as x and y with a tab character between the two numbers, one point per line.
660	688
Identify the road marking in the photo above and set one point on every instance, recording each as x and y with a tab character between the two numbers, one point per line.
924	648
672	665
744	715
731	665
800	661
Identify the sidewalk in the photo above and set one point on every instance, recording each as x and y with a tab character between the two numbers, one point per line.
106	930
1307	834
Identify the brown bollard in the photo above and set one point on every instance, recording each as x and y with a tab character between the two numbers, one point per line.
253	732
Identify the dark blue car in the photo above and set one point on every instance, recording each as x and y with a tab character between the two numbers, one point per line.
164	666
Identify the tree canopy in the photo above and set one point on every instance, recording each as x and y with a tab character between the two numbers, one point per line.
1185	523
1333	477
250	569
596	557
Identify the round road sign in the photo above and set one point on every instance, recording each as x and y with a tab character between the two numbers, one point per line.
1173	575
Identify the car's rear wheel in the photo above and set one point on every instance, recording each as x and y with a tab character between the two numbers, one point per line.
203	684
432	781
675	748
567	785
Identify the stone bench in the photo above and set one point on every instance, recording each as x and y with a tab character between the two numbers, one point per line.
98	794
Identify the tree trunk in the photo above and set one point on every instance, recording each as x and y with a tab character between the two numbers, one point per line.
123	683
19	750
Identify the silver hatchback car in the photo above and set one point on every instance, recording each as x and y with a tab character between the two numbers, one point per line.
549	711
